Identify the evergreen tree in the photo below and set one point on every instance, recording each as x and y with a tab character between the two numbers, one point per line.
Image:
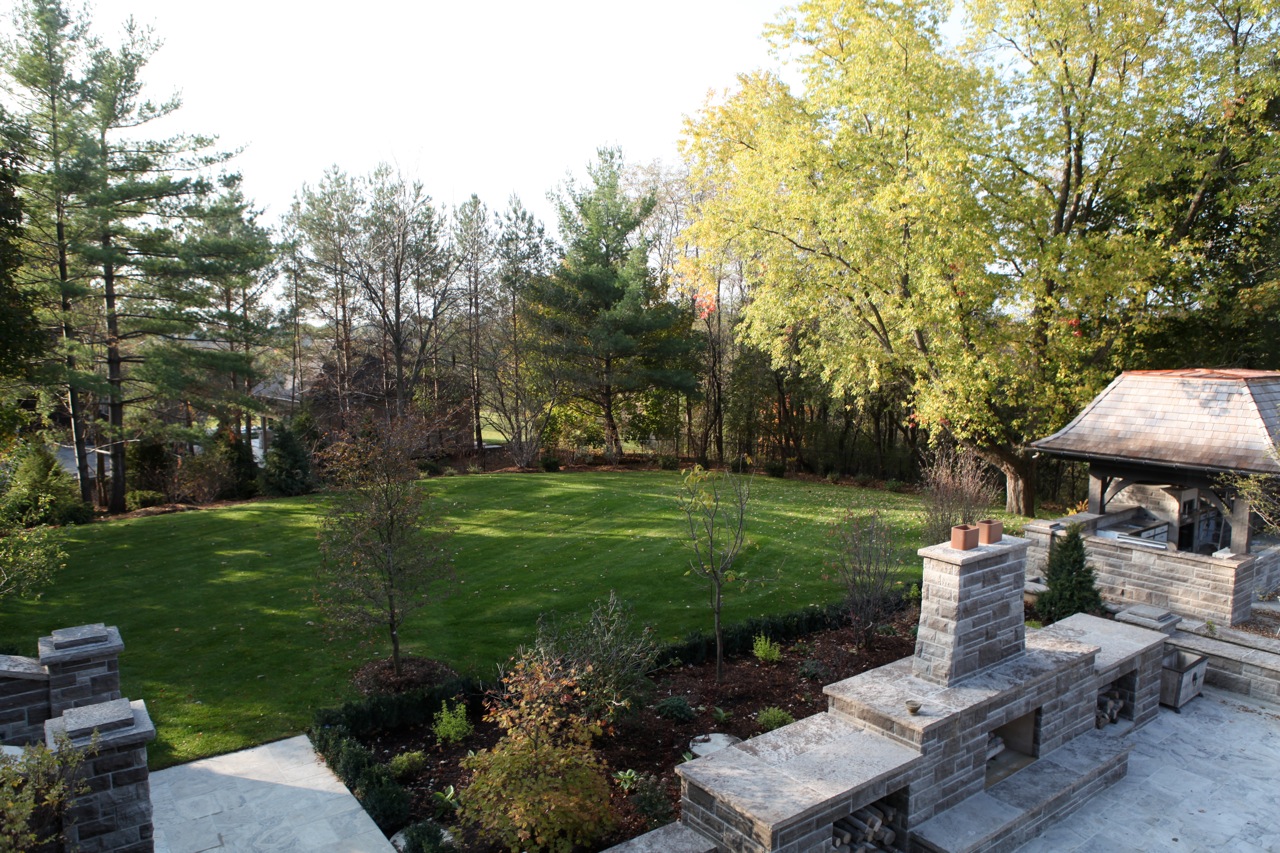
601	315
286	469
1069	578
41	492
20	335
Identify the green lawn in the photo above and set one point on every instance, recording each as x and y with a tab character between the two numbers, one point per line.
222	639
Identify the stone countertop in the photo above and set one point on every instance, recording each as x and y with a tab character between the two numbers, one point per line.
885	691
1117	642
780	776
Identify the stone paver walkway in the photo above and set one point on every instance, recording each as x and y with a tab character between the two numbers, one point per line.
1205	779
275	797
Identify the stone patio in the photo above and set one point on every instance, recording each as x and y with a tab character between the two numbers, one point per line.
1204	779
275	797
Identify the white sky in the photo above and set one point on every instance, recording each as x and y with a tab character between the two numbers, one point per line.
491	98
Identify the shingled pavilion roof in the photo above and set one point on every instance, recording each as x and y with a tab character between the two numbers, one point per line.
1210	420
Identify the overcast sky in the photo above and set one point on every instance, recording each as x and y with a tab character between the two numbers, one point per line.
491	98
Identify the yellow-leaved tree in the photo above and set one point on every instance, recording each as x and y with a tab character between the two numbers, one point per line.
988	226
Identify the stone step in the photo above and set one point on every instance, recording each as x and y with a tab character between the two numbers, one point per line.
1018	808
672	838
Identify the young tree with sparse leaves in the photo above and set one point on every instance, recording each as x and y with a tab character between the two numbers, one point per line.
383	545
714	504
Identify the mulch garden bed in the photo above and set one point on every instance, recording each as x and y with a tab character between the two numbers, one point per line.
647	743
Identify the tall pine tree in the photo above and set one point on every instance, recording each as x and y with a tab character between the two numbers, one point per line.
601	315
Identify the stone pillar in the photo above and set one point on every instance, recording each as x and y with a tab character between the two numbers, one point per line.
24	700
114	815
1240	538
971	616
83	665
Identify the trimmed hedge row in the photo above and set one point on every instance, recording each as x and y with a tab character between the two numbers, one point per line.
335	734
739	638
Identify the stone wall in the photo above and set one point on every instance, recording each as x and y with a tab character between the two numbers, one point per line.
71	693
24	700
1266	566
1217	588
114	816
1247	670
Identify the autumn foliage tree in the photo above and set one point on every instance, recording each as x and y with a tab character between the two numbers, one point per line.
995	226
383	545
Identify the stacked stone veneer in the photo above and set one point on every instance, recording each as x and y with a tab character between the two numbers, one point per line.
115	813
1217	588
976	670
71	693
76	667
971	616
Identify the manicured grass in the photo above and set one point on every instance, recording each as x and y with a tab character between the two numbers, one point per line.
223	641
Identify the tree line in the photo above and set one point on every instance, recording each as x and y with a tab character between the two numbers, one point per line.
924	241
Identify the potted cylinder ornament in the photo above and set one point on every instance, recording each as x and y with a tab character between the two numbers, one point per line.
964	537
990	531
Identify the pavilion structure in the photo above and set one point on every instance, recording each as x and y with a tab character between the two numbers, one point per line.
1158	444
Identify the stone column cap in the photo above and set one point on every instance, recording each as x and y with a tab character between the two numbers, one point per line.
117	723
66	645
946	554
16	666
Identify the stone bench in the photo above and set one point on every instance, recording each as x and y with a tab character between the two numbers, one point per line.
1016	809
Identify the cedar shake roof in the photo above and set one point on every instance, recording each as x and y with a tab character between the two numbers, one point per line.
1213	420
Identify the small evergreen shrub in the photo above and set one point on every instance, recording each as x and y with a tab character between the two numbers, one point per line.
775	468
243	470
385	800
814	670
142	498
451	724
430	467
286	468
894	485
1069	578
668	462
772	718
549	463
426	836
41	492
406	765
740	465
149	461
676	708
766	650
651	801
